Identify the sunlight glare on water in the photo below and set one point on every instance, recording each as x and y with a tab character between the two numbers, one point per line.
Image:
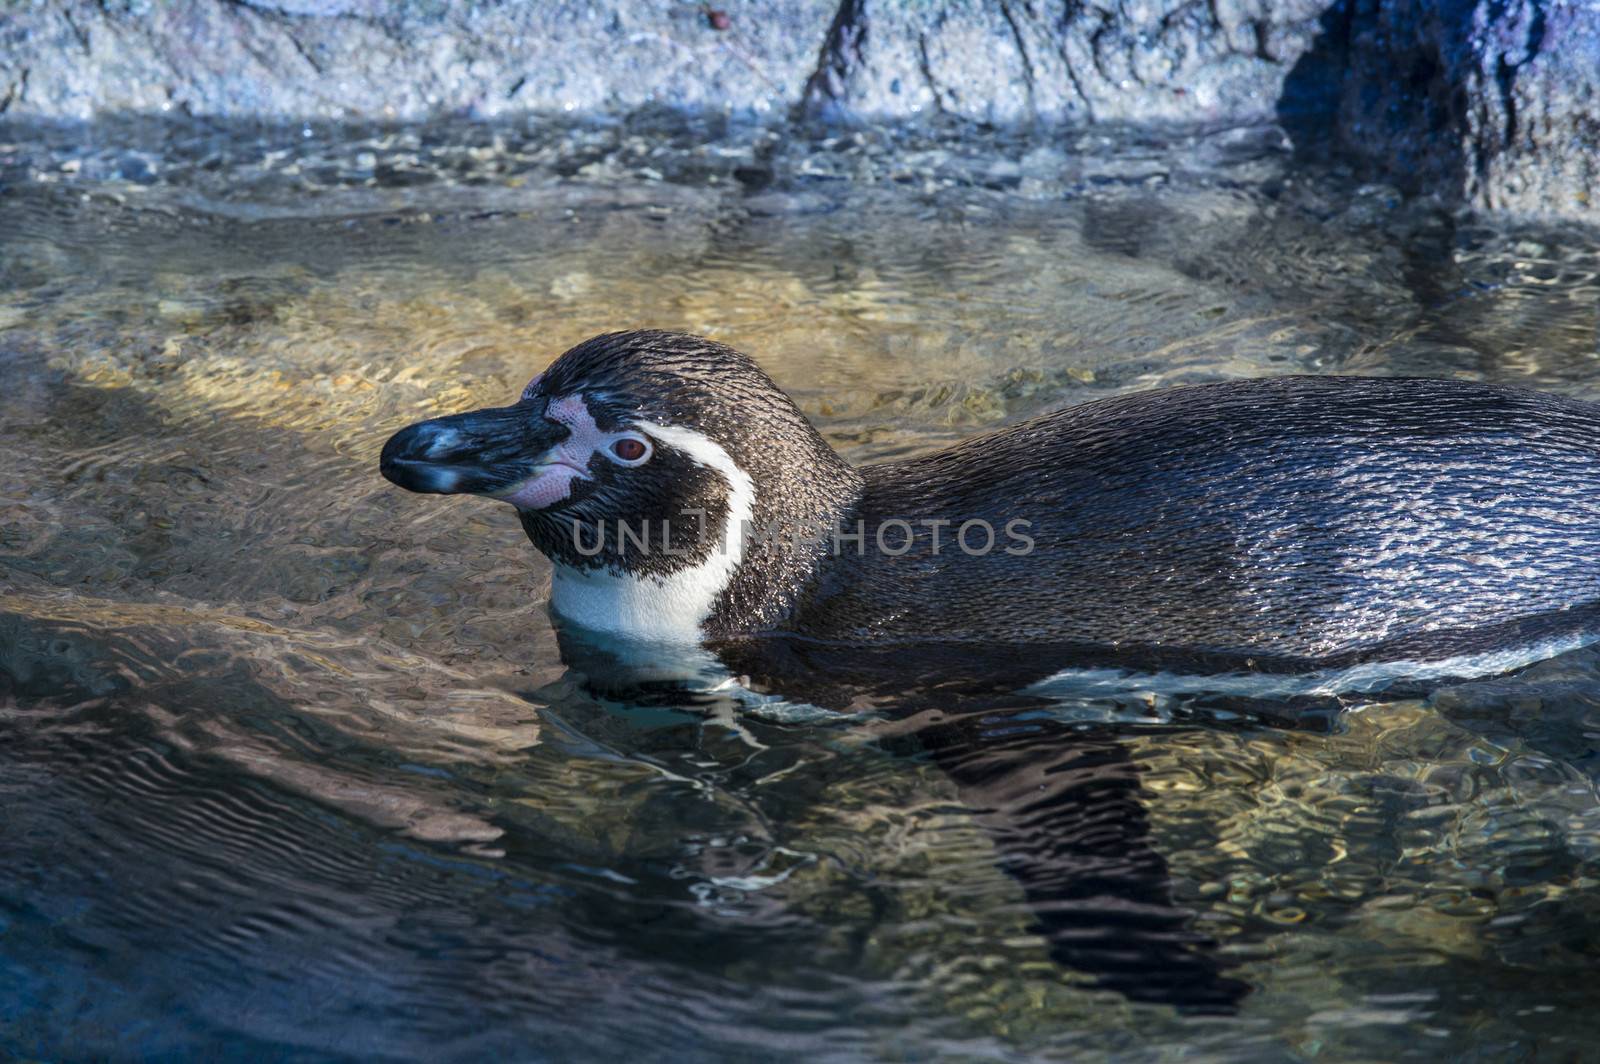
290	761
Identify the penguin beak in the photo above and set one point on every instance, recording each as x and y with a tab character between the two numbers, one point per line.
482	452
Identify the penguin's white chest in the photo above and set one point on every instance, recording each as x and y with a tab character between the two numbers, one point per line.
667	609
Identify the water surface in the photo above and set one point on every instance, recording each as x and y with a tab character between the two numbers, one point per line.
291	766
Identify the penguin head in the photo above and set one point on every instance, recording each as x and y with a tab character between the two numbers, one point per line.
654	468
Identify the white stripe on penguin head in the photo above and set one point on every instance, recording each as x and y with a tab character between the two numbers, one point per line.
671	607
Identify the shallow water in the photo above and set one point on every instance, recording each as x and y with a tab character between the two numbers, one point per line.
292	768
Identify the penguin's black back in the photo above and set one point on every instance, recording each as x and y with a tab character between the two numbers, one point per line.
1321	520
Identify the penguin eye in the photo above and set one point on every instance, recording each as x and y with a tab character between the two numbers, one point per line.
631	451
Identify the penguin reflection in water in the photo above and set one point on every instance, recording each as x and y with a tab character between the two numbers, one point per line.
1289	534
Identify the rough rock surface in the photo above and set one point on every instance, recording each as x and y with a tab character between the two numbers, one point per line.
406	60
1493	101
1019	60
989	60
1488	102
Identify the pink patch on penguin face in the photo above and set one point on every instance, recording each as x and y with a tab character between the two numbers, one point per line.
550	485
567	461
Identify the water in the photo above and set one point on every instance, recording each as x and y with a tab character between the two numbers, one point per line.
292	767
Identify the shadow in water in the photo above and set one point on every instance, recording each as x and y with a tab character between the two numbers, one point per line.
1061	801
1065	811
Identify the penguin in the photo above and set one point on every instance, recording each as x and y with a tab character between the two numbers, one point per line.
1348	529
1288	524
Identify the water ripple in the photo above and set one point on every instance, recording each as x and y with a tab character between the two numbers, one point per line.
291	765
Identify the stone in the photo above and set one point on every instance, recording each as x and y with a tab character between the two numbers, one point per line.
1487	103
401	60
1490	103
1012	61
